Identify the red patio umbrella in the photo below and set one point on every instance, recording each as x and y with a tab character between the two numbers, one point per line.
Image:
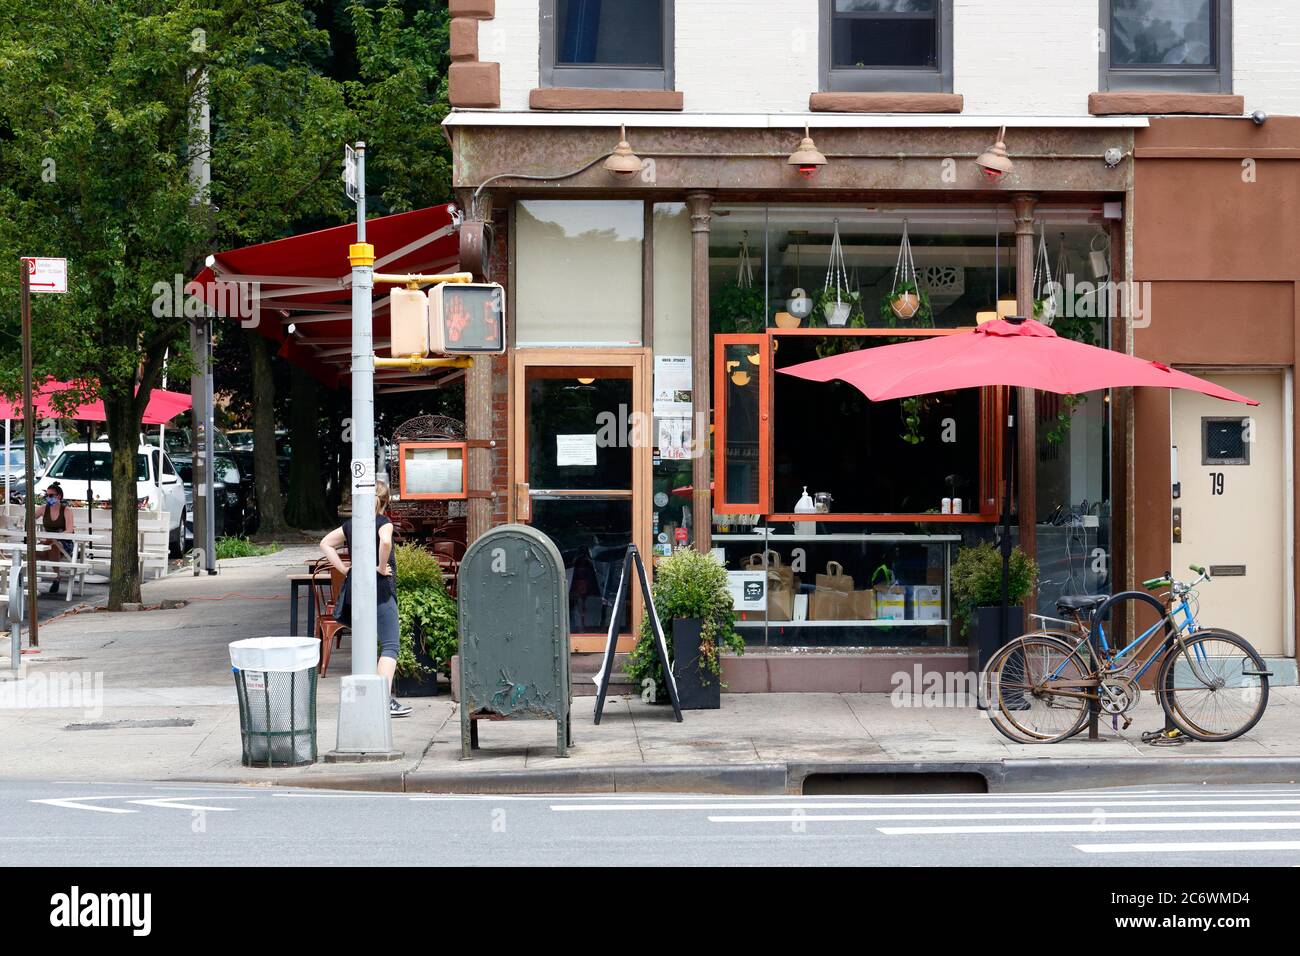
163	406
1014	352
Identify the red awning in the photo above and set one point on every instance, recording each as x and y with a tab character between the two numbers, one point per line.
304	282
163	406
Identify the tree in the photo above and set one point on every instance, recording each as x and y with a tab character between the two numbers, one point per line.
96	143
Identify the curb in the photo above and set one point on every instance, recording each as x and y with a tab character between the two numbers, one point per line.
772	779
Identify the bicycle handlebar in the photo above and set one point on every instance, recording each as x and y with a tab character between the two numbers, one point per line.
1167	579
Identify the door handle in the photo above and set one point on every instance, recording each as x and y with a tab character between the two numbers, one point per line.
523	503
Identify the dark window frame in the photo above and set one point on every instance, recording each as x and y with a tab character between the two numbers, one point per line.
552	74
1168	78
891	79
1208	422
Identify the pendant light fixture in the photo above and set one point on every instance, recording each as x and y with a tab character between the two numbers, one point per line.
807	157
994	162
623	162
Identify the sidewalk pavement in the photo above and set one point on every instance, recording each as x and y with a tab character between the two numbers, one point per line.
160	705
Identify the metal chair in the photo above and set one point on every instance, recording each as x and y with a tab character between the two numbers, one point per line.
326	583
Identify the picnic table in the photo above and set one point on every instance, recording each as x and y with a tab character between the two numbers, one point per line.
15	540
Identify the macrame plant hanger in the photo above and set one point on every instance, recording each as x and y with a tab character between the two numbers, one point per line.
837	273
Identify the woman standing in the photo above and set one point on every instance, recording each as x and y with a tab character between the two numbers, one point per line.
385	589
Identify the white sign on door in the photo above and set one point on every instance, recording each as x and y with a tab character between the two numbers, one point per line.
47	275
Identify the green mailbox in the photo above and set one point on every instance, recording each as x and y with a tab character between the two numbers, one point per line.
514	633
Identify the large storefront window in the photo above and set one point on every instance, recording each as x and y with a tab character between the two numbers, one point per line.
862	503
578	272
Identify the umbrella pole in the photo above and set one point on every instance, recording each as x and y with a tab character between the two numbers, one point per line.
1008	469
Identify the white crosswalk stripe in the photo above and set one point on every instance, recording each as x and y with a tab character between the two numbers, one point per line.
1187	818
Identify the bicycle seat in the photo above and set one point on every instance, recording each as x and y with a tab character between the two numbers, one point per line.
1080	602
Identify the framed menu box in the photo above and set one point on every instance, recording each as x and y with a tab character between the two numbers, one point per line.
432	470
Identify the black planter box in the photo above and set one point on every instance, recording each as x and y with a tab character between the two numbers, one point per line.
692	691
983	639
414	687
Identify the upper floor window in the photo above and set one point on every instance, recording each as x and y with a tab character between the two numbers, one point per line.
1175	45
609	44
891	46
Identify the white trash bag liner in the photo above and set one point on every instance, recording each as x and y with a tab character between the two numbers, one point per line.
275	653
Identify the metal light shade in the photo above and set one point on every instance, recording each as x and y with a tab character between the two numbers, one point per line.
807	157
994	162
623	162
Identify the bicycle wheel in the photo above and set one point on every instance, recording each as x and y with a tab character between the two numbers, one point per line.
1223	695
1022	705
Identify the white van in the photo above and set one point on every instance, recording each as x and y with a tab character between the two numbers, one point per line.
157	485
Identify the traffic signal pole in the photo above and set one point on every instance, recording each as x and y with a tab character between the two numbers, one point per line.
364	724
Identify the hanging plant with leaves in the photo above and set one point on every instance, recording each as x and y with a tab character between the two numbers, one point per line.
1047	287
740	307
907	305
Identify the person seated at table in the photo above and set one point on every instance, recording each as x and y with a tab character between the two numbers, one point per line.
54	516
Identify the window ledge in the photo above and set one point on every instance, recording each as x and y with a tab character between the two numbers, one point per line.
583	98
1157	103
885	102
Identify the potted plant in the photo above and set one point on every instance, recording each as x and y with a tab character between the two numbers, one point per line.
908	303
691	596
977	597
840	308
738	309
427	627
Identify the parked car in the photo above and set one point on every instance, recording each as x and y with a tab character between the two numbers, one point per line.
157	483
14	468
233	508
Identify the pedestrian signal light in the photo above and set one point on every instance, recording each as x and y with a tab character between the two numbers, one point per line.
408	311
467	318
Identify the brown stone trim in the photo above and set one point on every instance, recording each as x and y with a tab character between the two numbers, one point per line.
464	39
474	85
886	102
1116	104
478	9
579	98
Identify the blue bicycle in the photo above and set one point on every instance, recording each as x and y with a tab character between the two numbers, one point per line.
1212	684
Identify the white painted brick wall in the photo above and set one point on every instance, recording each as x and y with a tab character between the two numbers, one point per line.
513	39
1266	55
1025	57
1012	57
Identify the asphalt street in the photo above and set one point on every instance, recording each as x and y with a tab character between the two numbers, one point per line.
62	823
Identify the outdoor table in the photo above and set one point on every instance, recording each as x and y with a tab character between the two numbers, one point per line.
297	581
15	540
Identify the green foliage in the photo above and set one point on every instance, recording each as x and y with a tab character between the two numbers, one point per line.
96	148
913	409
737	309
237	546
829	296
426	613
924	317
977	579
687	584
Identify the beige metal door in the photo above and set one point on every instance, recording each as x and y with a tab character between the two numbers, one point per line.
1231	468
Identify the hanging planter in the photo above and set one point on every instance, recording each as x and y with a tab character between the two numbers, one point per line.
906	300
1047	287
740	307
838	302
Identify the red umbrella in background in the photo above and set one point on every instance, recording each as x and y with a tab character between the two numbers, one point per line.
1013	352
161	408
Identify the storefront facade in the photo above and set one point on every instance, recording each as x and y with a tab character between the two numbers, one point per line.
641	400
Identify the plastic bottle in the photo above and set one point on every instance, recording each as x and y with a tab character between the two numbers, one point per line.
805	506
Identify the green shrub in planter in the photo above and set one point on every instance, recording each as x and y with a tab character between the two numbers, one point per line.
687	584
426	613
977	580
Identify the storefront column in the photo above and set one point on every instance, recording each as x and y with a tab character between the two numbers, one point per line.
1026	413
698	205
478	408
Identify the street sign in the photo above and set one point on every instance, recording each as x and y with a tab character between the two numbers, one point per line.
363	475
46	275
467	318
350	173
